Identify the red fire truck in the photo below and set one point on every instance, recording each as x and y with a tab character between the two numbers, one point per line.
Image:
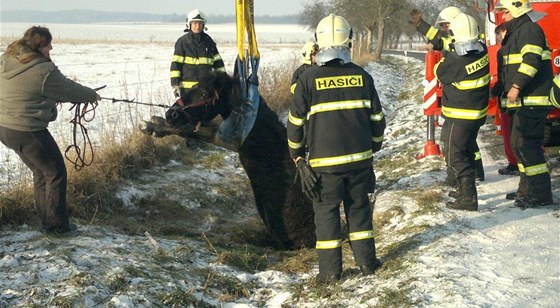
432	89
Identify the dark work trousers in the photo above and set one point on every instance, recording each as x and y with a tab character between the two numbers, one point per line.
460	146
41	154
352	189
475	158
527	135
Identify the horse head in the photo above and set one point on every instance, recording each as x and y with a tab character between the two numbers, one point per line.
213	95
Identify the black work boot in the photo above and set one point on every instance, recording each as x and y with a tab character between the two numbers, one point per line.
522	189
539	192
327	278
370	269
453	194
532	201
330	265
509	170
467	199
511	196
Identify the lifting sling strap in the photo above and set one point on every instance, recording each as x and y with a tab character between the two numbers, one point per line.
238	125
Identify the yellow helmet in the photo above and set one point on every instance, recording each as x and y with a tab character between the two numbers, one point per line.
333	31
447	14
309	49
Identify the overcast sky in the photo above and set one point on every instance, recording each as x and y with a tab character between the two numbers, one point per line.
225	7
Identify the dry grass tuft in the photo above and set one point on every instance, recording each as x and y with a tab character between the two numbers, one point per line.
16	205
91	191
275	82
299	261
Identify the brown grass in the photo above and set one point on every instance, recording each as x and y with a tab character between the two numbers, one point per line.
275	82
16	205
91	191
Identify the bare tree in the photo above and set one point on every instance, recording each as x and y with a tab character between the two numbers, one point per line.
374	20
313	12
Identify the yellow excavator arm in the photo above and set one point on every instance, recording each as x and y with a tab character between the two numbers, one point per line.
245	22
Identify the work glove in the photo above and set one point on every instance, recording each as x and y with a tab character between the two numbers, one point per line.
177	91
415	17
376	146
307	179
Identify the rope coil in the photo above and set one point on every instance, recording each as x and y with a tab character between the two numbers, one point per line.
80	153
80	157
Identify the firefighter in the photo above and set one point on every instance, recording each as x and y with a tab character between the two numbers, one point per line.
195	54
464	72
440	40
555	97
555	92
527	77
437	38
496	91
337	104
307	60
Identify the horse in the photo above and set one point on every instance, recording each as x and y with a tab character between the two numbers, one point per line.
285	211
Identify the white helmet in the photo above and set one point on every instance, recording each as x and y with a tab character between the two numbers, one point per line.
309	49
465	34
333	31
333	36
518	8
447	14
195	15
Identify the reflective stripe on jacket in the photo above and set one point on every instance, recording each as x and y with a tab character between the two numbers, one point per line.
335	103
465	81
555	92
526	63
439	39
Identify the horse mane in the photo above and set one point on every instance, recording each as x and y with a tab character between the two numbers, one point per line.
228	90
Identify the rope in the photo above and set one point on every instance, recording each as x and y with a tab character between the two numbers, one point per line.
82	149
81	157
132	101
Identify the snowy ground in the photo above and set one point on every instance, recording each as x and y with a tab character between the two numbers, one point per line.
129	70
500	256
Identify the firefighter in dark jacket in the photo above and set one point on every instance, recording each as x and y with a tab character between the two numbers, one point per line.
439	39
465	74
195	55
337	104
308	52
527	79
555	92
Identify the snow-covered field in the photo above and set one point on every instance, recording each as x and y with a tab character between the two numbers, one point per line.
500	256
161	32
132	67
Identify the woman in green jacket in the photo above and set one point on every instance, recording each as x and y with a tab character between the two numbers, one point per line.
30	87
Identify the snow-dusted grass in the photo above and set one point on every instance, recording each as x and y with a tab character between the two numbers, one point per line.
500	256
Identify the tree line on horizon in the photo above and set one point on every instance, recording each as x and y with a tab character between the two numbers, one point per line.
92	16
